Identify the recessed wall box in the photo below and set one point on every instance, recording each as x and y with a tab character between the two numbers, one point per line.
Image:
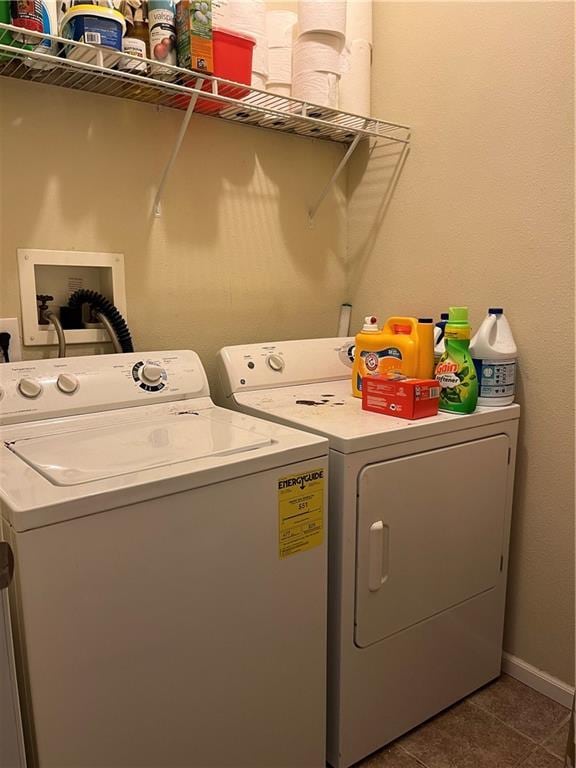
60	274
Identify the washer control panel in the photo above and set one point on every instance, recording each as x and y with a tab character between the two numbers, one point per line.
42	389
285	363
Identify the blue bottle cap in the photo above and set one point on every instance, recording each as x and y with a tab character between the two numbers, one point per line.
444	316
495	311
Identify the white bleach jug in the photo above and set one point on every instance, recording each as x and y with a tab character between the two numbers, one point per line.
495	357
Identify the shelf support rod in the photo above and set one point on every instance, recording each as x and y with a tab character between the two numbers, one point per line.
341	165
176	147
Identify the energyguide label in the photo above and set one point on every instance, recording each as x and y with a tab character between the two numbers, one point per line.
301	512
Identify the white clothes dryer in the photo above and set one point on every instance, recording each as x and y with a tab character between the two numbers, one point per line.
418	539
169	595
11	737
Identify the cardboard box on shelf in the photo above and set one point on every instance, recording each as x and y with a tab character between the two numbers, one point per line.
400	397
194	35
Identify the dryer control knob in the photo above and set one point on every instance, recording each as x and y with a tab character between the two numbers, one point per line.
275	362
67	383
29	388
151	373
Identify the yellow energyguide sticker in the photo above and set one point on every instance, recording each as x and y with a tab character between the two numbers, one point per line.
301	511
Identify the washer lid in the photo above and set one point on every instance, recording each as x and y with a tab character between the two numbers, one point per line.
73	458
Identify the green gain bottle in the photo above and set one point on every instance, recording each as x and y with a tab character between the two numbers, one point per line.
455	372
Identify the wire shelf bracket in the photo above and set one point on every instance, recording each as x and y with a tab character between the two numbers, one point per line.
176	149
341	165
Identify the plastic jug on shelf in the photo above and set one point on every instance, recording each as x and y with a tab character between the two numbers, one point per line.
495	354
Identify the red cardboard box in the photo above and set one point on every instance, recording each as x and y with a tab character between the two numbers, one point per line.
403	398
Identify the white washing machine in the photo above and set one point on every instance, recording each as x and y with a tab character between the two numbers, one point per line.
169	597
418	539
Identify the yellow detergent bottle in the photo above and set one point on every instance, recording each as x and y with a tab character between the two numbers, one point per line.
400	345
425	348
366	353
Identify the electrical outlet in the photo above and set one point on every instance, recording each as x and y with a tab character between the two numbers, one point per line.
12	326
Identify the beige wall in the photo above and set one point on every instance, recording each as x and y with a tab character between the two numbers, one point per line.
481	216
231	259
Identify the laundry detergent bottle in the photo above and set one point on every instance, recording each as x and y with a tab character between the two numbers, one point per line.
366	353
400	347
425	348
494	352
455	373
439	329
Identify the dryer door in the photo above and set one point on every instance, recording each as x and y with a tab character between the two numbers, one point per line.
430	534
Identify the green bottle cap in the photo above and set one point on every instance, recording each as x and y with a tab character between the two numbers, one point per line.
458	316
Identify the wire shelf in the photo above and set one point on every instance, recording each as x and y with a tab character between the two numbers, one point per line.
57	61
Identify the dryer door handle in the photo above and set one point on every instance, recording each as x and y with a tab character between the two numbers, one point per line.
378	555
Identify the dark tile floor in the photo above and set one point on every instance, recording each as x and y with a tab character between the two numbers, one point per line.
504	725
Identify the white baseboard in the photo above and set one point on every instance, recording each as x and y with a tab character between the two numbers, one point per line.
537	679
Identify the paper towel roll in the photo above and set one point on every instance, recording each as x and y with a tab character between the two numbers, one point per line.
280	28
221	14
280	65
359	20
260	56
322	16
355	80
279	89
259	81
247	16
317	52
316	87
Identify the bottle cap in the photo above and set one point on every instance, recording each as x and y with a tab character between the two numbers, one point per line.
425	320
495	311
458	315
402	329
444	316
370	324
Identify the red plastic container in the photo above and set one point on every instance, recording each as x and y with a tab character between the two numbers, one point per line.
232	61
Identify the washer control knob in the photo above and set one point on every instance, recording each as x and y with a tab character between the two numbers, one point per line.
151	373
275	362
29	388
67	383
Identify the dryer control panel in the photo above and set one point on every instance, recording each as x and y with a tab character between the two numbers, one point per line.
43	389
285	363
